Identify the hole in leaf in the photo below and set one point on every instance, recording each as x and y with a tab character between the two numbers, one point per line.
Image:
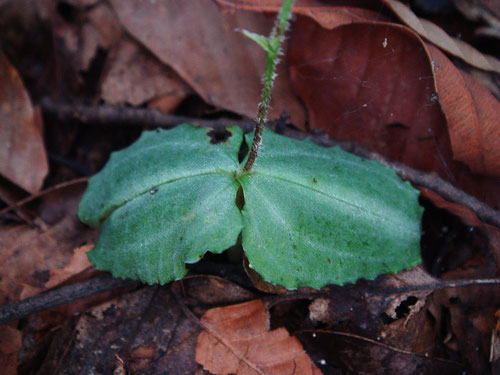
219	135
404	308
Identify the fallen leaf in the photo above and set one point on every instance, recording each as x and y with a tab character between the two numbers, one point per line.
146	328
10	344
389	292
28	254
227	67
91	28
328	15
78	263
237	340
440	38
472	114
135	76
367	82
23	159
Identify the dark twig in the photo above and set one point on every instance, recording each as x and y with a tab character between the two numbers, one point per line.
16	205
101	284
108	115
61	296
112	115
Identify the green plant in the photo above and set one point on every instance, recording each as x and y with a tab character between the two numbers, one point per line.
311	216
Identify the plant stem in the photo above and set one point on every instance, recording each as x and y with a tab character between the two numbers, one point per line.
272	59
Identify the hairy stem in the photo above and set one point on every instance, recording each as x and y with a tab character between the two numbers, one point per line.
272	59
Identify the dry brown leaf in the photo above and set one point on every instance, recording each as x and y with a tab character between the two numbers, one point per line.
237	340
472	115
259	282
23	159
367	82
78	263
93	29
28	254
10	344
373	83
385	300
440	38
135	76
328	15
226	68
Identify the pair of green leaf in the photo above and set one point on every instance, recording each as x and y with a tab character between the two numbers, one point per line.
312	216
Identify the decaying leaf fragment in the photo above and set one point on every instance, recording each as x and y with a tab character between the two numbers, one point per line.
237	340
23	159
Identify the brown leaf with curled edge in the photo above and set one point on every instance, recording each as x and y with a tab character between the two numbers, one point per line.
373	83
10	344
23	159
78	263
472	113
135	76
327	15
221	65
469	218
440	38
237	340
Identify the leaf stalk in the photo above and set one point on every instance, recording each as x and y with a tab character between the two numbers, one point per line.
273	50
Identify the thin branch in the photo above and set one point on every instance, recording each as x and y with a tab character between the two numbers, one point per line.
61	296
118	116
108	115
15	205
378	343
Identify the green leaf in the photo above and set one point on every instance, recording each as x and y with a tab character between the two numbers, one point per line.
261	40
165	201
315	216
312	216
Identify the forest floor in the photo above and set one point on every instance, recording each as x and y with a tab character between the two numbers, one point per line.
416	89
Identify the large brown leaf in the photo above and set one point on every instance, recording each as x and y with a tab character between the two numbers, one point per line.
135	76
472	114
439	37
22	156
237	340
374	83
327	15
222	65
